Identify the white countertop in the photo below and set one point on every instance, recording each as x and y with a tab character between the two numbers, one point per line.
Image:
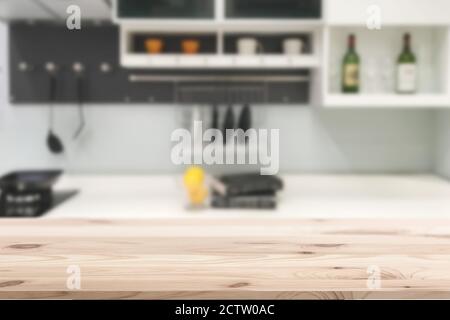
305	196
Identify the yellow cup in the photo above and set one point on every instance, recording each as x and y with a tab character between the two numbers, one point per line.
153	45
190	46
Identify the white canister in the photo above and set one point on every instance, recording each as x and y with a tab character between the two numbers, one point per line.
293	46
248	46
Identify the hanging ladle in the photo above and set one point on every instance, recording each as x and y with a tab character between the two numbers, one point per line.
54	143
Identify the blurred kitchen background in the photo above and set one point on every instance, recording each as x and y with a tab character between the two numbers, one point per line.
322	130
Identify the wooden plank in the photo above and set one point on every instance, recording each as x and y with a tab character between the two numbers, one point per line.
227	258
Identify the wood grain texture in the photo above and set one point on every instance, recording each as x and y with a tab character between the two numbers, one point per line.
225	258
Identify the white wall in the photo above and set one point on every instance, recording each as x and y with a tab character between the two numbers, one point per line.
443	144
355	141
137	138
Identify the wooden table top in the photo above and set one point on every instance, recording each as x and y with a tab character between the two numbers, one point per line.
225	258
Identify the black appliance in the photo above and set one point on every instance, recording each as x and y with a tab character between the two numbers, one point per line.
29	193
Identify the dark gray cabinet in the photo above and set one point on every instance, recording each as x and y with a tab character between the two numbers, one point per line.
165	9
273	9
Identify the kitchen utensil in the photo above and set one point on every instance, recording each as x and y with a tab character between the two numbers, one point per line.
245	120
249	46
293	46
190	46
228	123
54	143
197	126
154	45
79	71
215	119
30	180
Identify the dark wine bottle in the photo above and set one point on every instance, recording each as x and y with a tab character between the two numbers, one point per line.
350	68
406	68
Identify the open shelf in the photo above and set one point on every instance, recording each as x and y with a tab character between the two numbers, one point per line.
213	61
379	51
387	101
218	25
270	43
172	42
216	50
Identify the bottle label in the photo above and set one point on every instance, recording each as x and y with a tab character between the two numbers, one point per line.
406	78
351	75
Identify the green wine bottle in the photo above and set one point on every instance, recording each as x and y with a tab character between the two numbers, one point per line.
350	68
406	68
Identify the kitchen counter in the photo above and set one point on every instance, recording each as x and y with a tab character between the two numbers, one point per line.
305	196
225	258
131	237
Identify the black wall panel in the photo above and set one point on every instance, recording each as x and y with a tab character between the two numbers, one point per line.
37	44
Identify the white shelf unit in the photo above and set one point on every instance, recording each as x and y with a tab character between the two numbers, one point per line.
220	25
219	59
379	50
431	41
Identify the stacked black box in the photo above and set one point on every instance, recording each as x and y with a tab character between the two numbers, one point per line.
250	191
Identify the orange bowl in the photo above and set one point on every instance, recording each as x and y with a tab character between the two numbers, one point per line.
153	45
190	46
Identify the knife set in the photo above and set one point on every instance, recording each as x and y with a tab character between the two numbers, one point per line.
244	121
245	191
